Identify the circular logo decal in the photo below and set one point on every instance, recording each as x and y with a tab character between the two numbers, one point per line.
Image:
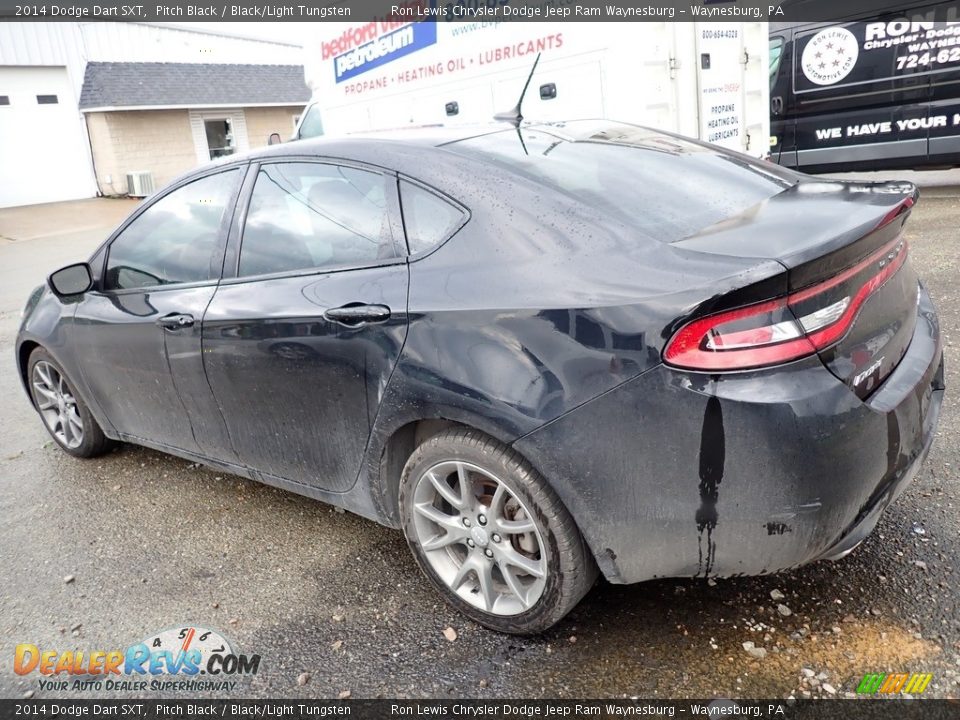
830	56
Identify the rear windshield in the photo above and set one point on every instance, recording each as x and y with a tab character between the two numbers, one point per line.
666	187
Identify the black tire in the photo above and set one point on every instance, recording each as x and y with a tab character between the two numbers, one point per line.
94	442
571	570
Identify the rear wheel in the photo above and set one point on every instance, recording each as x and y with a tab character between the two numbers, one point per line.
491	535
66	418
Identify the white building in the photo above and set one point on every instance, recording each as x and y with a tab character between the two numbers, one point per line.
83	104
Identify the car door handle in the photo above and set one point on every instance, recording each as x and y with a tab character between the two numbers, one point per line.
175	321
356	314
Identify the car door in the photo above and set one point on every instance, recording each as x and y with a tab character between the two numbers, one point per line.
300	343
138	332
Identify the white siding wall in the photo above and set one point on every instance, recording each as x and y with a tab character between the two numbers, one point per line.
71	45
138	42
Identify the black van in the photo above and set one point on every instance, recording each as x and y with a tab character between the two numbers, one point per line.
876	93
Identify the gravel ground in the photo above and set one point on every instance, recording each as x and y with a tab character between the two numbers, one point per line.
335	604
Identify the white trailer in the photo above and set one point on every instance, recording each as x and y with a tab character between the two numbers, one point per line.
704	80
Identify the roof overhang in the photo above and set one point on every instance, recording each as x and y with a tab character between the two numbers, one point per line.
234	106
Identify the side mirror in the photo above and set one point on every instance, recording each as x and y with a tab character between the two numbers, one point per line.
71	280
274	139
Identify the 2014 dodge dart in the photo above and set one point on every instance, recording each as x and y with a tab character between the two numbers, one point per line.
543	352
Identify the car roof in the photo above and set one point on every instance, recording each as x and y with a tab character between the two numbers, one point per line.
433	136
413	150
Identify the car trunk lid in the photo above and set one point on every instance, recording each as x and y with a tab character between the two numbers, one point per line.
850	284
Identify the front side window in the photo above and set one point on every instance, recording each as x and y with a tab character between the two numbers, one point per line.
427	218
173	240
308	215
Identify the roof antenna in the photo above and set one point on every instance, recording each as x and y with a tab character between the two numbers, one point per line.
515	116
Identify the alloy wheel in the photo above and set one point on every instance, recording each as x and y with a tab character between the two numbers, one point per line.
479	538
57	405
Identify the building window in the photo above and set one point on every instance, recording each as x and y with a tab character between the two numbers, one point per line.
4	99
220	141
218	133
47	100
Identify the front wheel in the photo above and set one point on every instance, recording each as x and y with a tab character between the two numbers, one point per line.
491	535
66	418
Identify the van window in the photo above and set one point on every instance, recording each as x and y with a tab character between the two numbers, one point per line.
312	125
776	55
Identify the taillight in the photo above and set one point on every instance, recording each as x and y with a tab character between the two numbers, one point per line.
787	328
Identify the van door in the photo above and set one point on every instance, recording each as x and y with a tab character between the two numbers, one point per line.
457	104
720	59
783	128
556	92
861	99
944	146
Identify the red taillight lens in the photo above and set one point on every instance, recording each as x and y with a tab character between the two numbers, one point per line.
788	328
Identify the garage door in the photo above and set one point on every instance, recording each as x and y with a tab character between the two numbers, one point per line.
43	152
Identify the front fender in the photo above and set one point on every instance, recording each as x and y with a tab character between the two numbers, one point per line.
48	323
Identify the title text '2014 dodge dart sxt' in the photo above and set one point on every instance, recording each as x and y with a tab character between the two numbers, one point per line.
542	353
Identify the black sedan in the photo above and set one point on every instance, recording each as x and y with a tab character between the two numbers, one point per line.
543	353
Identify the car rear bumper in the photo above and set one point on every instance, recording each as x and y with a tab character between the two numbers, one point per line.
683	474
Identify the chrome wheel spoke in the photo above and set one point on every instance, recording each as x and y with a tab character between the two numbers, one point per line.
44	370
522	562
466	489
514	583
495	511
446	492
49	397
439	517
66	429
438	542
463	572
73	419
516	527
485	581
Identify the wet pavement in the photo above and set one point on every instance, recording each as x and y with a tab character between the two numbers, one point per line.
150	542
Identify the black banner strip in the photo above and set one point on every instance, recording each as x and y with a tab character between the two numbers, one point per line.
494	709
355	11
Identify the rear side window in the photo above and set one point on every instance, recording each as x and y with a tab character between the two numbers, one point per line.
427	218
173	240
310	215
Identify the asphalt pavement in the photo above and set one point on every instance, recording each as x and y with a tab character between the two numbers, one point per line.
100	554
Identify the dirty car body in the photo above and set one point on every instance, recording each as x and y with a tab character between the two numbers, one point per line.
721	367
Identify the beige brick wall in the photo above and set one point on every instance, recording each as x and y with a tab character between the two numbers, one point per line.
159	141
263	121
